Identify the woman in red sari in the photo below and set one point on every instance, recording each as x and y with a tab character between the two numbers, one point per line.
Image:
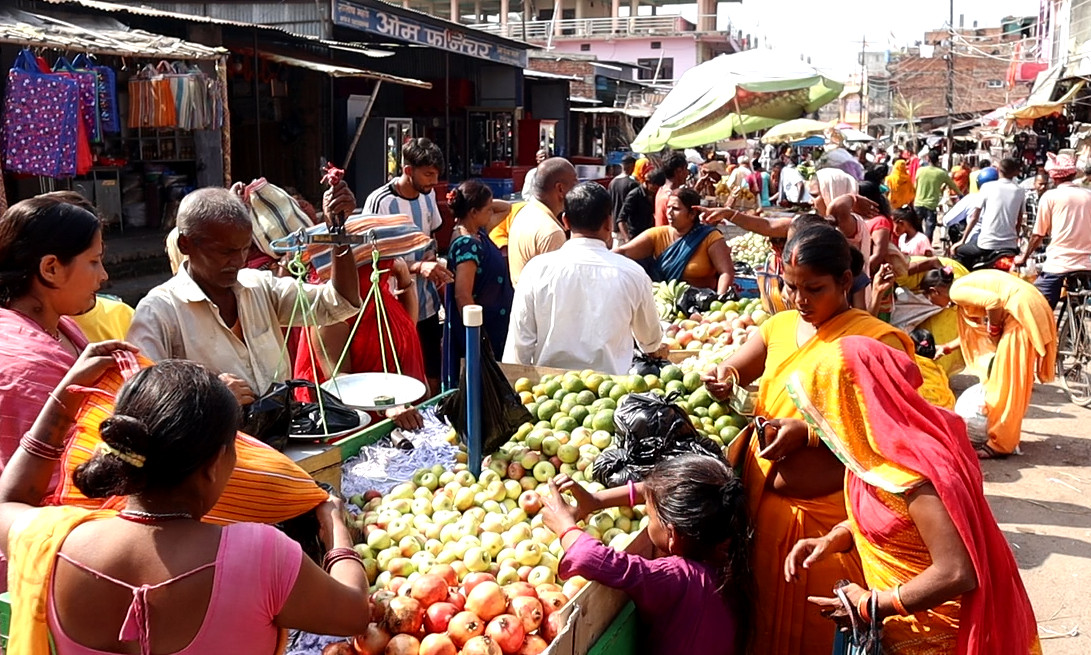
932	553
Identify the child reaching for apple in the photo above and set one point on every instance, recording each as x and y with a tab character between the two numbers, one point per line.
698	597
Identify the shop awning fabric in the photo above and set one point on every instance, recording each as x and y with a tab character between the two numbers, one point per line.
733	94
339	71
103	36
1039	107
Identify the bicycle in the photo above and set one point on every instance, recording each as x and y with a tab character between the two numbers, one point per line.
1074	339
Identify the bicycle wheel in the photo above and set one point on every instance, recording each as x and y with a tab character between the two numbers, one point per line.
1074	354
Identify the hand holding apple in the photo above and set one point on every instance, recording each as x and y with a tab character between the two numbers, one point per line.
557	514
586	502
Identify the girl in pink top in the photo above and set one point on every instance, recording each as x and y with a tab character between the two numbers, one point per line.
696	599
912	240
154	578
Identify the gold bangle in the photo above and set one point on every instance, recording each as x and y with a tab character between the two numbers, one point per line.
896	600
813	440
734	374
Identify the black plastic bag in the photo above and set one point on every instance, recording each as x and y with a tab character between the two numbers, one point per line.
651	428
276	414
612	469
644	363
502	412
695	300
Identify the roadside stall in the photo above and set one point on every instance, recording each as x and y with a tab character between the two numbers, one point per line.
132	118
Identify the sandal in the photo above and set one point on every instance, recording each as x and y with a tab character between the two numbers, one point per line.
984	451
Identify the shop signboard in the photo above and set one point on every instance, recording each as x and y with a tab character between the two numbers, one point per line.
411	30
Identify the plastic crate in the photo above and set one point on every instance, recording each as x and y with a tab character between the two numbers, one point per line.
746	286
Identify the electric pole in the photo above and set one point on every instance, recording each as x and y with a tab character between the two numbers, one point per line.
951	84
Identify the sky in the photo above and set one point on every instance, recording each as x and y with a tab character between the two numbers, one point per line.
829	31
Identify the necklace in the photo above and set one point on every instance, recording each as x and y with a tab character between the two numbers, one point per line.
150	518
54	334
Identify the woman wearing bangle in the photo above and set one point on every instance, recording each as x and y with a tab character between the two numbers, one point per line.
50	269
169	449
932	553
1000	314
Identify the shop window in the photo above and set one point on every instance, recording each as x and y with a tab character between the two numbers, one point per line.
994	84
585	47
648	67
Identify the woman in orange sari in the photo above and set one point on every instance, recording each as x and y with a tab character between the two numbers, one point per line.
1003	315
940	569
794	491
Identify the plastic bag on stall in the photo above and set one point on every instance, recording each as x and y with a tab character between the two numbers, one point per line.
651	428
695	300
645	363
971	407
502	412
612	469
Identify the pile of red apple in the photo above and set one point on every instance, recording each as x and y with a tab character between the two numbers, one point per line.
434	615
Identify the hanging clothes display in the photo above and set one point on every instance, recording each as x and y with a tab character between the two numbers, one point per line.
174	96
151	101
41	121
106	90
88	81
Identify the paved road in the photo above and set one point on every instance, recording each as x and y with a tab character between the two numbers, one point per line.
1042	501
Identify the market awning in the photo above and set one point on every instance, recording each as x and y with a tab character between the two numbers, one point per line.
1038	107
101	35
632	112
339	71
739	93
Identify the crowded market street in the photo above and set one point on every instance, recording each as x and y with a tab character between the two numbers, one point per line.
1041	503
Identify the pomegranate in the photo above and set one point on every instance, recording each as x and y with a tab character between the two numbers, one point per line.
507	632
404	616
429	589
516	589
548	587
338	648
552	626
437	645
474	579
487	601
533	645
372	642
552	601
481	646
438	615
463	627
445	571
528	610
403	645
455	597
381	600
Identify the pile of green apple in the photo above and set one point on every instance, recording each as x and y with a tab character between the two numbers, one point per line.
575	413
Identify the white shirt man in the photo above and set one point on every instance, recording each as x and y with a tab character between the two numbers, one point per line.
582	306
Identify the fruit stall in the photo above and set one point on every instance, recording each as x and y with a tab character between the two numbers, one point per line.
463	564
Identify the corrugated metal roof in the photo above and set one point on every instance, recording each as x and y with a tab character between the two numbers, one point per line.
106	36
544	75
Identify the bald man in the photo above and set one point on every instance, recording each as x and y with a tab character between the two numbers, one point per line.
537	228
218	313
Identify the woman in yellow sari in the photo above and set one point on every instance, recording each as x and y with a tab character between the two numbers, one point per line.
169	448
940	575
795	491
900	185
1002	315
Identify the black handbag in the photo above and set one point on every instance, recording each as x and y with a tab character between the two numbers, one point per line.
861	637
276	414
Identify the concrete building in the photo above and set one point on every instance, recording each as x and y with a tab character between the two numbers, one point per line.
662	46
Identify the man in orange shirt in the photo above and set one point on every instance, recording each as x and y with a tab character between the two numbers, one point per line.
676	170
